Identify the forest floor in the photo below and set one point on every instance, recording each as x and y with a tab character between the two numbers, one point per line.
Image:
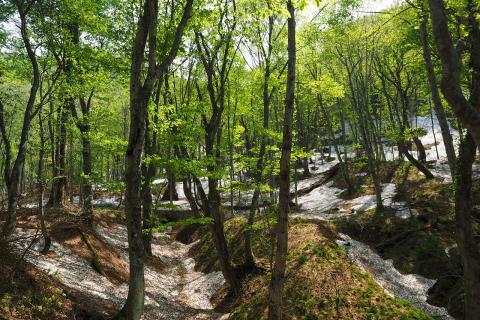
346	260
88	272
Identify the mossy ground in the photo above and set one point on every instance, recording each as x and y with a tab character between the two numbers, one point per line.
321	282
415	245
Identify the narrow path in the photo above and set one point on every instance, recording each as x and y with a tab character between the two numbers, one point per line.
178	283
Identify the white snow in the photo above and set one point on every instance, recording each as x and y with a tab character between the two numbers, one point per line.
179	281
176	292
322	203
409	287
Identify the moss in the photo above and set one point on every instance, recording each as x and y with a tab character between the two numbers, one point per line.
321	281
95	258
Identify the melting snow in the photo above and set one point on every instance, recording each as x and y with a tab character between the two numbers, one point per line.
320	204
409	287
323	203
176	292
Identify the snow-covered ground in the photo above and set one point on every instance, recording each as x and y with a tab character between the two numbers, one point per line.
175	292
411	287
323	203
429	139
101	202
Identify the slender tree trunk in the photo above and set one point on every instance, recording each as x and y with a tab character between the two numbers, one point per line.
12	174
249	258
60	180
217	227
437	102
343	164
147	201
275	301
187	190
434	134
41	188
248	252
422	155
87	193
140	93
139	96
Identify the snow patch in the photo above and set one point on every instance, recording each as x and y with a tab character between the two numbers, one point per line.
409	287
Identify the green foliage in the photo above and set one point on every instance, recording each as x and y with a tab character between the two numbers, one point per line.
161	225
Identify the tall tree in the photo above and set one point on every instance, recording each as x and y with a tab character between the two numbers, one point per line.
142	79
437	101
217	59
13	166
275	300
468	112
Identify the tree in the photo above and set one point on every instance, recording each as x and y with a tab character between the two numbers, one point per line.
14	164
140	93
216	59
281	233
468	112
437	102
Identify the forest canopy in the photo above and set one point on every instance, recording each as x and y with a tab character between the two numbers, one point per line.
237	124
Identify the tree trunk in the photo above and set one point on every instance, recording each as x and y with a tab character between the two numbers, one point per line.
170	193
403	150
140	93
41	188
147	207
87	194
437	102
451	71
421	154
249	258
12	174
248	252
141	87
60	180
467	245
275	301
187	190
217	228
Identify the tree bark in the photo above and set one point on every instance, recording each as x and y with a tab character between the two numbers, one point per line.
249	257
141	87
403	150
451	71
275	300
12	174
140	93
437	102
87	192
468	113
41	188
467	245
59	182
217	67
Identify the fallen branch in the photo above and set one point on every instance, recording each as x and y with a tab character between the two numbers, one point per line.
23	255
326	176
95	258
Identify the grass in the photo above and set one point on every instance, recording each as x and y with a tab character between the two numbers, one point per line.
415	245
321	282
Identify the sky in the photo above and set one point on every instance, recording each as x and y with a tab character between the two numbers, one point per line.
377	5
367	6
